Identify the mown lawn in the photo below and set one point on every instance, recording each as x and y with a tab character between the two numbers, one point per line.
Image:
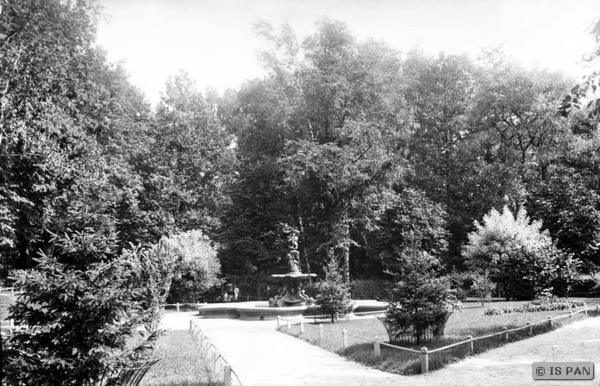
183	363
470	321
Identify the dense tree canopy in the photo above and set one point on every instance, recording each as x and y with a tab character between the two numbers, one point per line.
371	154
385	162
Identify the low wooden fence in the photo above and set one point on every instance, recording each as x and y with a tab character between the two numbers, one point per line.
424	353
220	365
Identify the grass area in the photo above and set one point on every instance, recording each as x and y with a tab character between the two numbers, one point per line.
183	363
470	321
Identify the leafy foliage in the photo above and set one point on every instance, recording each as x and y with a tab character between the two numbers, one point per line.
338	192
327	115
196	269
71	123
411	223
583	95
518	255
570	210
190	162
253	244
483	287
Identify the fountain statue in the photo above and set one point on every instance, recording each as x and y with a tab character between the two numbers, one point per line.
292	300
292	295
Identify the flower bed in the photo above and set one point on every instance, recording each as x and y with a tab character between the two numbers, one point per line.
537	306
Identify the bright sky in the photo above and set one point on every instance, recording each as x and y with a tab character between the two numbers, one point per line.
213	39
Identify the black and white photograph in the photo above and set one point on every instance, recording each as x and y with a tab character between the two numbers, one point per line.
299	192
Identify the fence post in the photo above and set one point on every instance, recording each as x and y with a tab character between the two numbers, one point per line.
377	348
530	328
550	320
302	326
278	321
585	309
320	333
344	338
177	307
471	343
227	380
190	325
505	329
424	360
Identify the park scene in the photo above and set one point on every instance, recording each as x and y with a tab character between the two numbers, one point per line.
349	211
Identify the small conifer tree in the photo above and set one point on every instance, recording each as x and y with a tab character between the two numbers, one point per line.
334	295
420	301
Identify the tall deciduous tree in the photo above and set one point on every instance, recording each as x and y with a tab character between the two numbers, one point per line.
568	202
439	93
70	123
517	108
45	45
411	224
252	237
191	160
342	122
340	191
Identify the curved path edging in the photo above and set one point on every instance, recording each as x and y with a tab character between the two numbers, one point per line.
262	356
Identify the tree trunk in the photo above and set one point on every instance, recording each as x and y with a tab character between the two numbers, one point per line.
303	239
346	253
346	263
258	282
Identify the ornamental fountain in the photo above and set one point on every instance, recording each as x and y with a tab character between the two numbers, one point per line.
291	302
293	294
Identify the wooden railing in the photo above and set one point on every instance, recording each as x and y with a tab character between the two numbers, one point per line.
220	365
424	353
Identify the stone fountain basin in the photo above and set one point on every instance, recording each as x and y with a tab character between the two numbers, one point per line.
262	311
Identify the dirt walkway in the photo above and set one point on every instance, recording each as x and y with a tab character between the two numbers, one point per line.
260	355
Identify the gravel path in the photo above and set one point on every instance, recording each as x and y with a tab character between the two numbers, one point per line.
260	355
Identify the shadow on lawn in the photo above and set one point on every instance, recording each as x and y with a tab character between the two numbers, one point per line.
406	363
469	322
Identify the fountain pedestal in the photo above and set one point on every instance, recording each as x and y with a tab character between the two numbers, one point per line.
293	295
